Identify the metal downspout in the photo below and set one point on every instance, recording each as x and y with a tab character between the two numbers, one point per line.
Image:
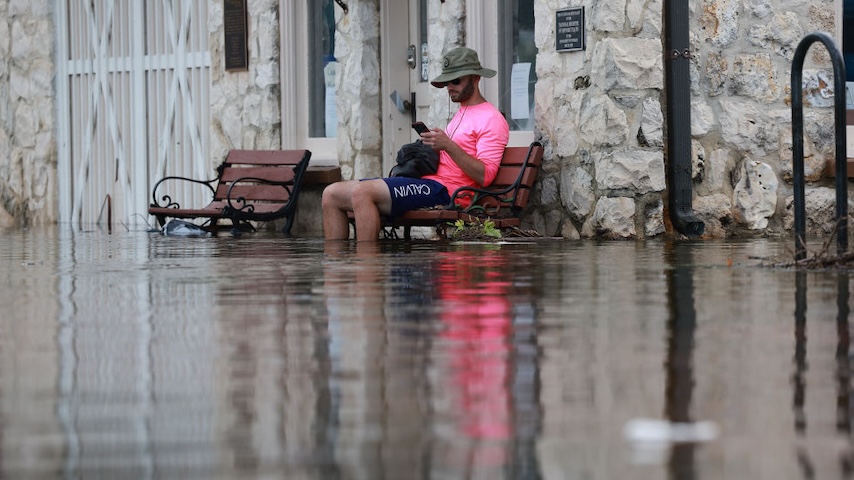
677	57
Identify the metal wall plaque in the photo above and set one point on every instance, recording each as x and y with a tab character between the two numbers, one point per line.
569	29
236	25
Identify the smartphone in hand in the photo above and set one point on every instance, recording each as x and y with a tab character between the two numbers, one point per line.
419	127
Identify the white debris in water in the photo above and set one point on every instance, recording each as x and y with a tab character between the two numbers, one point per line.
651	439
181	228
663	431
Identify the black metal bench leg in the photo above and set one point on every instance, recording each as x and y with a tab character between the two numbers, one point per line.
288	224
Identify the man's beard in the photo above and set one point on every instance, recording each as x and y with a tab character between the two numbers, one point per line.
466	92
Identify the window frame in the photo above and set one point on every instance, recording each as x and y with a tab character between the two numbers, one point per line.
482	36
293	67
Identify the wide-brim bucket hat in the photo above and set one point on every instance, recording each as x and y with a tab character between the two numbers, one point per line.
459	62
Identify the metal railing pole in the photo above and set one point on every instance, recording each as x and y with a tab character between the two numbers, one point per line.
798	143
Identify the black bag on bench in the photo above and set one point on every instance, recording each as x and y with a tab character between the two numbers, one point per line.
415	160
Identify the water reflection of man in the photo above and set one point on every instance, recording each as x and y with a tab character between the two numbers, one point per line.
476	330
386	366
470	152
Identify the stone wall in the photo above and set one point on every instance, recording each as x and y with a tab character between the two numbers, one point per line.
28	158
600	114
357	50
246	106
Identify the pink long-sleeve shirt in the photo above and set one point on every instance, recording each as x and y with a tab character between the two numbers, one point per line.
482	132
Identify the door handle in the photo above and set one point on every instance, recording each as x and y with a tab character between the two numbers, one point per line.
404	106
410	57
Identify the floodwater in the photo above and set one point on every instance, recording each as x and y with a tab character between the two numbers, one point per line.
135	355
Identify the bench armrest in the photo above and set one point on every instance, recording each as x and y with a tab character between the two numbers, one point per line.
167	199
482	200
490	201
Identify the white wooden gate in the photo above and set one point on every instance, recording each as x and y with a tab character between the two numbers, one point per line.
133	87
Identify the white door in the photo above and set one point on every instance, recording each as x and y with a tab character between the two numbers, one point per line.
405	94
133	87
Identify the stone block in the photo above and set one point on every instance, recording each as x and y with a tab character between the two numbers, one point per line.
758	8
6	219
716	213
755	194
576	191
698	161
548	191
703	119
717	172
26	126
612	219
716	73
820	208
608	16
638	171
600	121
755	77
746	129
652	124
653	219
720	21
628	63
781	35
814	162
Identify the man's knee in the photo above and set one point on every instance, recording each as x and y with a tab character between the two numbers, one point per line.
326	196
333	195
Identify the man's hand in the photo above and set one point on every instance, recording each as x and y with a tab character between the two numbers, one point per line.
438	139
471	166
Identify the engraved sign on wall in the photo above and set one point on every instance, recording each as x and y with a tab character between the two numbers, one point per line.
235	24
569	29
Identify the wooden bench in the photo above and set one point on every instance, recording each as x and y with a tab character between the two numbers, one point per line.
251	185
502	201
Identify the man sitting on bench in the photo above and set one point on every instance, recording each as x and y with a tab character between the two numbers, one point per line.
470	151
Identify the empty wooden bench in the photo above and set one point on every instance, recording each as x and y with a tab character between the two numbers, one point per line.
251	185
502	201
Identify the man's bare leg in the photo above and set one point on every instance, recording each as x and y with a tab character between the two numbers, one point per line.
336	202
370	199
366	199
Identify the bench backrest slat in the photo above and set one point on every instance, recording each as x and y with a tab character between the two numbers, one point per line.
273	174
515	156
264	157
511	164
504	178
258	193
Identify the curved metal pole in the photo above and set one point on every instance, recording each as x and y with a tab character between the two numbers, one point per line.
798	143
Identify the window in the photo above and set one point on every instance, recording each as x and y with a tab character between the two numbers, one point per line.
517	57
848	38
322	69
422	54
307	66
848	52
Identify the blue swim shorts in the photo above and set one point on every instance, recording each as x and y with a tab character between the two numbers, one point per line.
414	193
